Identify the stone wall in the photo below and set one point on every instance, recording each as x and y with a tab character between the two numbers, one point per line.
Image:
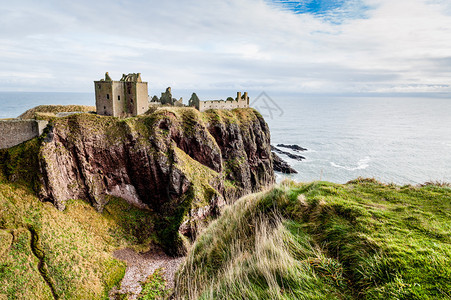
104	98
239	102
118	100
142	98
14	132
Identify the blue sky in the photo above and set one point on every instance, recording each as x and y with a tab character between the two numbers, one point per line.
311	6
336	12
304	47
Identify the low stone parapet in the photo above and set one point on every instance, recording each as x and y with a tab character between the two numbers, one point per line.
14	132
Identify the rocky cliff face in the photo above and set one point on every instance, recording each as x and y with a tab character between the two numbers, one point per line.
181	164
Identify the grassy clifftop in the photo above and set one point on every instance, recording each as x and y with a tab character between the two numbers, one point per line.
361	240
49	111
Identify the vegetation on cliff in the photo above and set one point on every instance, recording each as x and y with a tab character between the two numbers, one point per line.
46	112
177	164
48	254
361	240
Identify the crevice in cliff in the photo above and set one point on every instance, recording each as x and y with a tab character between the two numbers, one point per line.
42	266
82	177
133	177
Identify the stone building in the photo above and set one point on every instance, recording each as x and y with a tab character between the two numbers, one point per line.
239	102
124	98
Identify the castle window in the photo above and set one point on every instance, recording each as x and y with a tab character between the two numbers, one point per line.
131	100
108	96
118	98
98	86
104	107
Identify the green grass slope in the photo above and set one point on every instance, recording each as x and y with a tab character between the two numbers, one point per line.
49	254
361	240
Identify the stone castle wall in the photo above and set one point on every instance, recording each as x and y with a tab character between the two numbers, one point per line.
14	132
239	102
118	100
104	98
142	98
221	104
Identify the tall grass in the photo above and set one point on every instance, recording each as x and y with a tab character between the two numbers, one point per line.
362	240
252	253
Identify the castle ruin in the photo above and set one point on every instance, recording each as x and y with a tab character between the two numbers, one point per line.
129	97
239	102
124	98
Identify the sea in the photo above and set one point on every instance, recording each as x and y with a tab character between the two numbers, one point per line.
402	140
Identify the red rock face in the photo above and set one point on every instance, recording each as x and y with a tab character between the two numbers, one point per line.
157	161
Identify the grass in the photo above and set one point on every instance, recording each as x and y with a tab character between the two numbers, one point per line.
154	287
74	246
361	240
49	111
20	163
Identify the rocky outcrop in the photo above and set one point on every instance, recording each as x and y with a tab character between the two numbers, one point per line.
290	155
296	148
282	166
180	163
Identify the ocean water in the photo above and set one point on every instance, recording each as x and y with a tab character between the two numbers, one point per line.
13	104
399	140
394	140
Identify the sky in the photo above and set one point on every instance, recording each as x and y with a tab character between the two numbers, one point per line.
279	46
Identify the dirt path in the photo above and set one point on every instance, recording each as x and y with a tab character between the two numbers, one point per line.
140	266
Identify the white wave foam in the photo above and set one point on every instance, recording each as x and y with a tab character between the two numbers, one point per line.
361	164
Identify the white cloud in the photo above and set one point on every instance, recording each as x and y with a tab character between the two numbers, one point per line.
198	44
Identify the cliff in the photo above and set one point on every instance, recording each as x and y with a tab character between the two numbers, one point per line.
179	163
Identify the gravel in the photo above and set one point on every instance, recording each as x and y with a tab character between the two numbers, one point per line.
140	266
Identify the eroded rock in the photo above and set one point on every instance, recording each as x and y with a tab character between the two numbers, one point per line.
176	162
296	148
281	166
290	155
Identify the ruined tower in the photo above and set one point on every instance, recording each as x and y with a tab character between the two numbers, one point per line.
124	98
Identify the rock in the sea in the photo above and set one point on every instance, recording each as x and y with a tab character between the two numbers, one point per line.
292	147
282	166
182	164
290	155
